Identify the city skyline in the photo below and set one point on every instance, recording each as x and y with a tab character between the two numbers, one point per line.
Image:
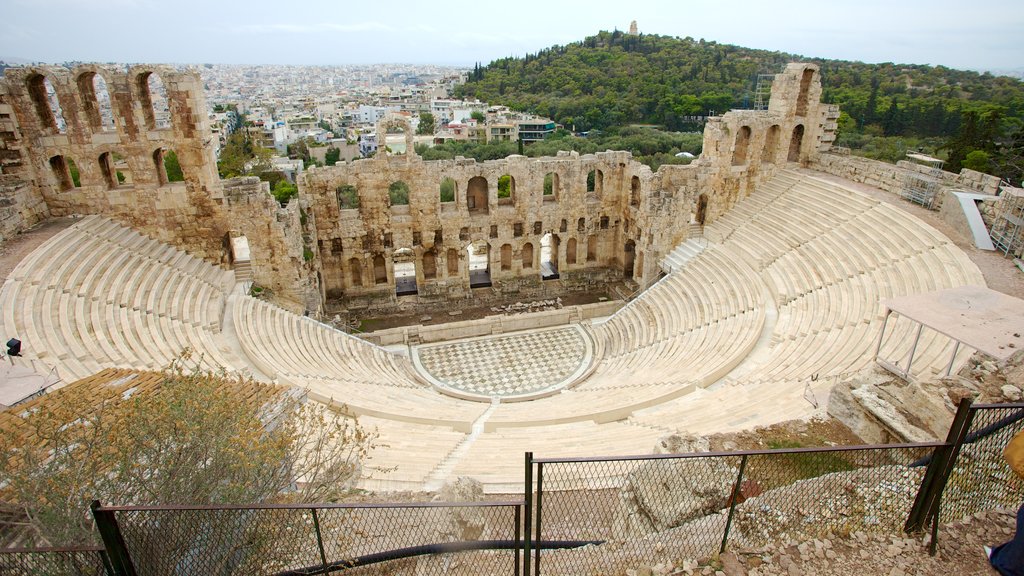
460	33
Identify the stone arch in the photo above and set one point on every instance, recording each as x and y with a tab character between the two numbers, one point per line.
452	262
61	173
570	251
152	94
628	259
396	123
771	145
638	268
805	88
595	182
96	101
581	224
398	193
403	262
549	244
741	146
106	162
796	143
592	248
563	226
47	104
447	190
527	254
701	213
168	168
380	270
634	191
429	265
479	264
551	187
506	257
477	193
355	271
506	190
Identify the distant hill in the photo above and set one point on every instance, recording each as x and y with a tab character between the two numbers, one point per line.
613	79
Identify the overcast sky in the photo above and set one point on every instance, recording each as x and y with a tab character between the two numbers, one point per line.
981	34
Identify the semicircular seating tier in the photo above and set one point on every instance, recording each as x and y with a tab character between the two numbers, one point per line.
785	300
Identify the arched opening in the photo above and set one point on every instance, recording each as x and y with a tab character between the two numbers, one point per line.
355	271
564	226
549	256
634	191
638	269
595	183
405	272
591	248
429	265
476	195
739	149
398	193
380	270
167	167
771	145
570	251
107	170
551	187
47	105
796	143
506	190
581	224
479	264
348	197
453	262
61	173
628	259
805	87
96	101
701	213
153	98
446	191
506	257
527	256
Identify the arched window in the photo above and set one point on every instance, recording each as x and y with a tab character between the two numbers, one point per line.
581	224
570	251
476	195
348	197
61	173
771	145
591	248
167	167
153	99
106	162
802	97
796	143
739	149
506	257
380	270
447	190
506	190
629	259
47	105
595	182
634	191
551	187
355	270
398	193
527	256
429	265
96	101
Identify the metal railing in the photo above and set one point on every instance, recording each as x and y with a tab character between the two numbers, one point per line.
67	561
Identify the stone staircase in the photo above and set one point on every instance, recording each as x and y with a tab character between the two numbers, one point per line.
683	253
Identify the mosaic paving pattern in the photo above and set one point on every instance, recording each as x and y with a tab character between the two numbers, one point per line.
507	365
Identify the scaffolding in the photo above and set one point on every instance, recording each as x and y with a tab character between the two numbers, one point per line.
763	91
922	186
1007	230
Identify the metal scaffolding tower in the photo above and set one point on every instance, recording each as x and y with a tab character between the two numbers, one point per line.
1008	228
763	91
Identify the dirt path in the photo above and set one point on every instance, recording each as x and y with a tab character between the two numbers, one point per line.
13	250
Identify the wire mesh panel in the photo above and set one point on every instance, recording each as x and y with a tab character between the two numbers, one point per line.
86	561
431	538
649	509
810	493
981	479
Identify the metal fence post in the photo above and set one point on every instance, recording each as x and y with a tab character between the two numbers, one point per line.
527	513
732	504
518	543
537	532
113	540
319	539
944	458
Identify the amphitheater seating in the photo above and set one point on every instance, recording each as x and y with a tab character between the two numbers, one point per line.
785	301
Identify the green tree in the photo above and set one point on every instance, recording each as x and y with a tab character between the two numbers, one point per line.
284	191
504	186
427	124
977	160
447	191
332	156
172	167
398	193
348	197
478	116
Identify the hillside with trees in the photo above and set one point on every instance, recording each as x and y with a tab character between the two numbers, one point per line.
614	79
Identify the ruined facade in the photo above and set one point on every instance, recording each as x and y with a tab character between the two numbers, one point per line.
360	231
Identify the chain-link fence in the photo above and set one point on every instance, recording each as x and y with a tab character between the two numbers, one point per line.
663	509
76	561
417	538
981	479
